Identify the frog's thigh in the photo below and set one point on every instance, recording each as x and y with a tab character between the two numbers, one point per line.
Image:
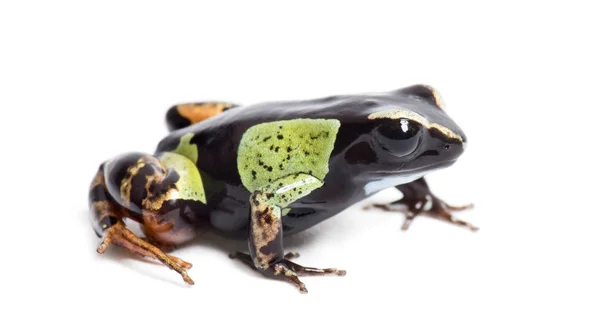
154	190
180	184
266	234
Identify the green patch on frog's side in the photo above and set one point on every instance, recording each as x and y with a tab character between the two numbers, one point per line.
186	148
271	151
189	185
211	186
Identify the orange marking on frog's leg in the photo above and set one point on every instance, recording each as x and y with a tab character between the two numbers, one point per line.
166	232
180	116
197	112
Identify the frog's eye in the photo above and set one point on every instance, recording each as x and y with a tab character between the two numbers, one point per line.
398	136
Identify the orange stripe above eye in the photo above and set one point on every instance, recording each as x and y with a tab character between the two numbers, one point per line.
198	112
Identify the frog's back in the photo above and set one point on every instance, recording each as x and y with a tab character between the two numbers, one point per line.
215	142
217	138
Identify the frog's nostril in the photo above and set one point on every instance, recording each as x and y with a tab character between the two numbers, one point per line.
446	147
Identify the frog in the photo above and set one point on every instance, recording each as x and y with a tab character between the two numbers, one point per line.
265	171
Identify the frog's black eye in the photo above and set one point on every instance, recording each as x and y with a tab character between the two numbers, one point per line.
399	136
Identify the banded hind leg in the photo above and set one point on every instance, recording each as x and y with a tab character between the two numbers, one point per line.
184	115
157	192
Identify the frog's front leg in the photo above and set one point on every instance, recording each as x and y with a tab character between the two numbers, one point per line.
418	199
266	235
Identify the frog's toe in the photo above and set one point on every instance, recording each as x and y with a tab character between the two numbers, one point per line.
442	212
121	236
460	208
437	208
429	205
287	270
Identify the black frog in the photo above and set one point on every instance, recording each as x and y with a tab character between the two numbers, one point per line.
273	169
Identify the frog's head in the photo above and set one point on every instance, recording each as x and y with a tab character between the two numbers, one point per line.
410	135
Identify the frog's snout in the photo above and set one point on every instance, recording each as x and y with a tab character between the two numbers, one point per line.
454	149
463	144
455	146
446	147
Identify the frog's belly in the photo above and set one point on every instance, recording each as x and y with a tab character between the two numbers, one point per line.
233	223
231	217
300	219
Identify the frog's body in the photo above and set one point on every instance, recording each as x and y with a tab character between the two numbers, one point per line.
272	169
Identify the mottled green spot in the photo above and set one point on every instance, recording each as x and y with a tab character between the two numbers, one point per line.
295	144
186	148
189	185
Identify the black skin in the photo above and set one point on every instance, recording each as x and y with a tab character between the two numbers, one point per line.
365	150
353	163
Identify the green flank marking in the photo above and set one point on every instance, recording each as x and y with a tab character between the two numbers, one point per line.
186	148
189	185
271	151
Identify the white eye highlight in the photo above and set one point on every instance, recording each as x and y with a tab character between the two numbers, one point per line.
404	125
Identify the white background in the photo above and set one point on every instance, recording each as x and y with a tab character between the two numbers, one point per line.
80	83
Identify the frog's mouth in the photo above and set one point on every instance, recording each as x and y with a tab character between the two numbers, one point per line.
413	171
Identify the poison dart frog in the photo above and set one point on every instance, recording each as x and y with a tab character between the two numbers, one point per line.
265	171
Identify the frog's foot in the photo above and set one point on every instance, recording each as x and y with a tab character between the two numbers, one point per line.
287	270
431	206
419	200
118	234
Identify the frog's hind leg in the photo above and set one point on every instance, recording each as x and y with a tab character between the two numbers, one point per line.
139	187
184	115
418	199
